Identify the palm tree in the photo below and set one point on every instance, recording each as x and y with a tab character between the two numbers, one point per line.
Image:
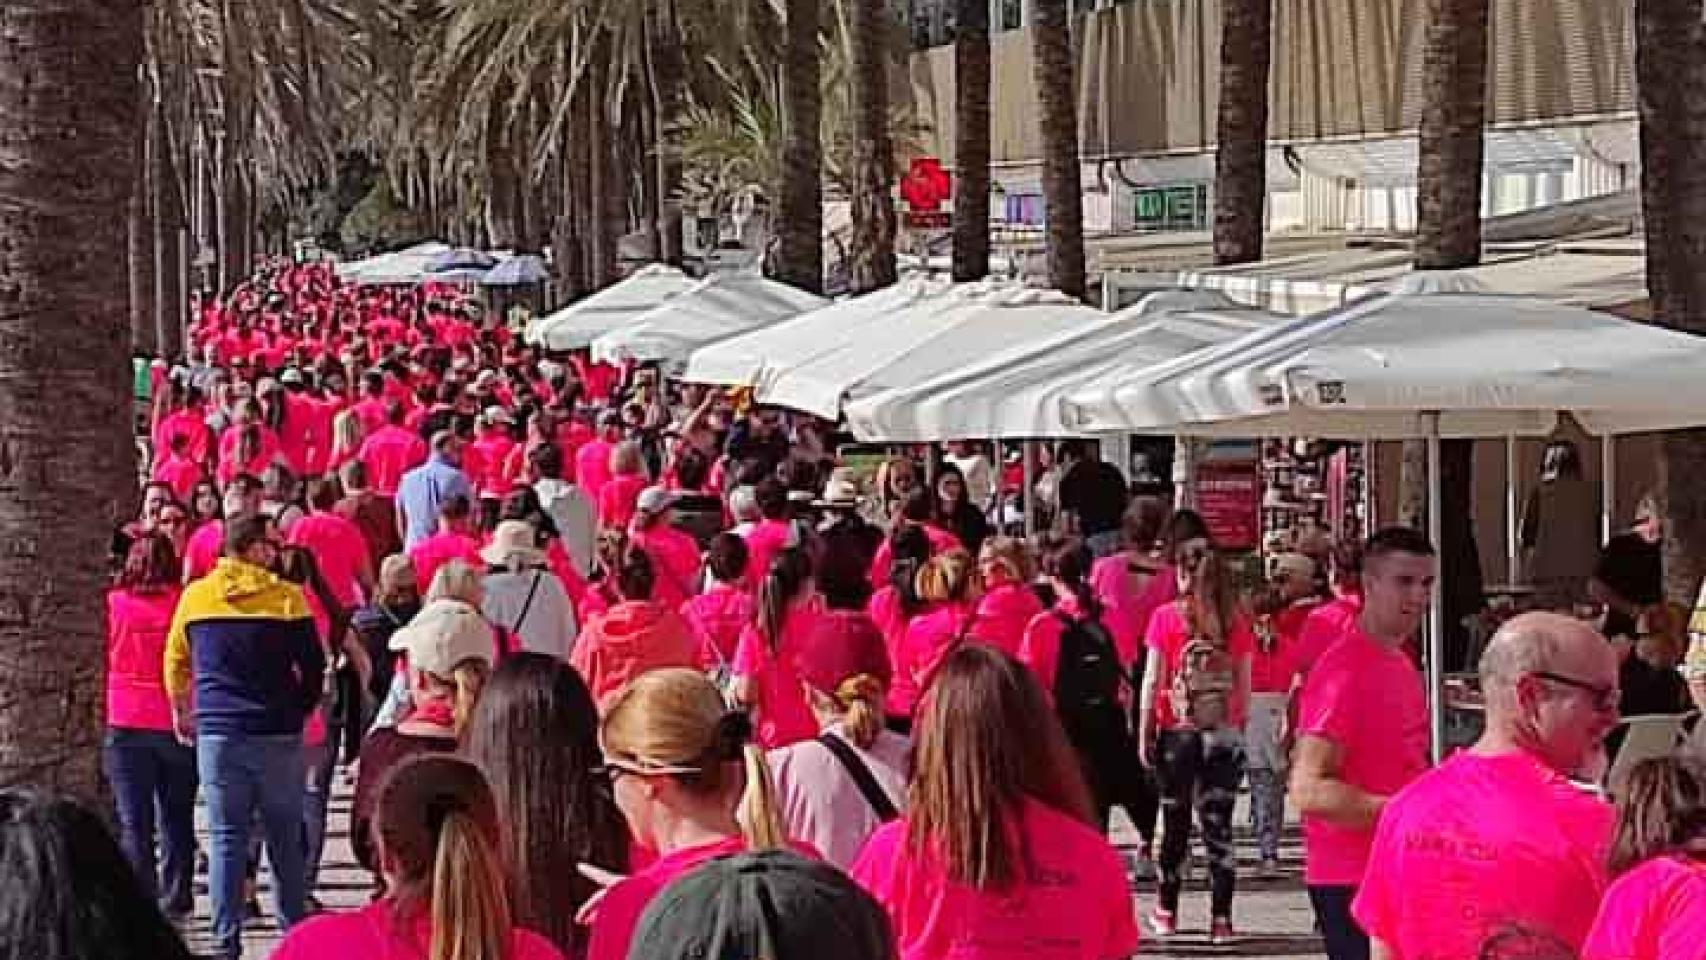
798	224
1057	97
1670	67
1240	173
868	32
971	139
68	88
1448	237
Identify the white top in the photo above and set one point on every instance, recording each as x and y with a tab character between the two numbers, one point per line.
571	511
980	478
546	625
820	803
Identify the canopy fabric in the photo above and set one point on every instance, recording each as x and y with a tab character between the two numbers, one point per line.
517	271
1017	392
751	358
397	267
961	327
578	324
1488	365
718	307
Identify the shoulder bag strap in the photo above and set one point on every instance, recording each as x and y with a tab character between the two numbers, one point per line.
869	788
527	604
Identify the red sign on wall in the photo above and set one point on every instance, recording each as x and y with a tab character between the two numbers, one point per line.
1229	497
926	185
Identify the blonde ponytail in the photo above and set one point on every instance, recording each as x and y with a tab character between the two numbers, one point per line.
861	697
470	894
760	821
469	678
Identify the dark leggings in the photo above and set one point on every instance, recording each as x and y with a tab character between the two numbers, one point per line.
1201	771
1117	779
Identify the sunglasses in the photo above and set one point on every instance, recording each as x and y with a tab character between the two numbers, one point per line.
1604	699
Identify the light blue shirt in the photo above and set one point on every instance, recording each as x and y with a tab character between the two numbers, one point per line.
423	490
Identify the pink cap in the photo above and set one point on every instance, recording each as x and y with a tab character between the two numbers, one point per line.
841	644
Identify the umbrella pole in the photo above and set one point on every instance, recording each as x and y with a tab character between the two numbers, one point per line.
1436	606
1513	549
1607	486
1028	496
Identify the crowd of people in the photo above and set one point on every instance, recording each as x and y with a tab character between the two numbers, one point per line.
626	668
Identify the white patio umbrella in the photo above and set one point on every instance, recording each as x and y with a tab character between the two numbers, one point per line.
1017	393
578	324
760	355
958	329
1408	365
396	268
718	307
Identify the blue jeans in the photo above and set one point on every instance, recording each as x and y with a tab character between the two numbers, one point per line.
240	774
154	782
1345	940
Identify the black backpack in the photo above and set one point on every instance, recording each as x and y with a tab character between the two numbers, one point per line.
1087	682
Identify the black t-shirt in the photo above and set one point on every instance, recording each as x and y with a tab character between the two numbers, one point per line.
1633	567
1097	494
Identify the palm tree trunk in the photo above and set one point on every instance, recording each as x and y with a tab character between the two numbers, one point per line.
139	231
873	265
602	147
68	91
1670	68
502	206
667	70
797	221
1448	237
971	140
1057	103
168	221
1240	172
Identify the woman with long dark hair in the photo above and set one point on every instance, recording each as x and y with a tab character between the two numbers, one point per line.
1193	705
70	892
535	734
440	839
955	511
998	844
767	681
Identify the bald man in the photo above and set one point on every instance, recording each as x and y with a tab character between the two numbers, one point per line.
1501	840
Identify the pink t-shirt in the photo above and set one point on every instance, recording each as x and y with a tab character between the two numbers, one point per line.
1482	846
486	461
763	542
617	498
618	914
1367	699
718	616
592	466
179	473
927	640
1325	626
375	933
202	551
339	550
675	561
779	697
1072	904
388	454
941	541
1166	635
886	613
136	650
1002	616
1657	911
1129	596
441	548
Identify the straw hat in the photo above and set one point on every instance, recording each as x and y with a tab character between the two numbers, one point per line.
839	494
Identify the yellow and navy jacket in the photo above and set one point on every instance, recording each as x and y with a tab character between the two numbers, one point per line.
247	641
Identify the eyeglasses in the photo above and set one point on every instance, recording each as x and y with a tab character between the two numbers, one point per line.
1604	699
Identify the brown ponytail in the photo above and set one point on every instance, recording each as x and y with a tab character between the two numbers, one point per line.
469	678
437	824
861	697
470	909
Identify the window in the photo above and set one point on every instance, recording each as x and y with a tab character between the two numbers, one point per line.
1012	15
1172	208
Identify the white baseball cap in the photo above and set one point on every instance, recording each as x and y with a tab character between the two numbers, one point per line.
444	635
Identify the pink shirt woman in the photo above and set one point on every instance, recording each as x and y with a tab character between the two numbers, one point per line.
1130	587
1003	615
137	622
928	639
772	679
718	617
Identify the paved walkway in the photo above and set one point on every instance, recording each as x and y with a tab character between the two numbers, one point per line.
1272	916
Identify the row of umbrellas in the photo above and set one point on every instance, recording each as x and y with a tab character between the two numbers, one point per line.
1432	357
441	263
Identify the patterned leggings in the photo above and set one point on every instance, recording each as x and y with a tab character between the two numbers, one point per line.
1200	770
